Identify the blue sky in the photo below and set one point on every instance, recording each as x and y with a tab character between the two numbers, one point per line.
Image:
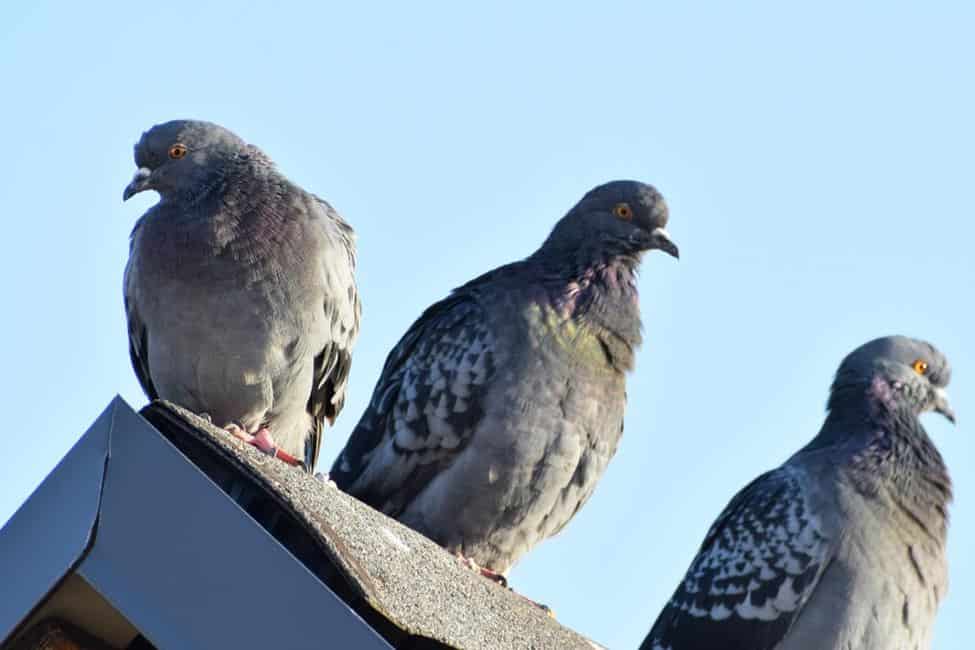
817	161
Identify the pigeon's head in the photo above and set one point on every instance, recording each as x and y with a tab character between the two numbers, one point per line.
898	368
626	217
183	158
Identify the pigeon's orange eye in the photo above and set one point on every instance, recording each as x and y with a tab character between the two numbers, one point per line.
623	211
920	366
177	151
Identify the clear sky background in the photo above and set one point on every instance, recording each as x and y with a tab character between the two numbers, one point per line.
817	161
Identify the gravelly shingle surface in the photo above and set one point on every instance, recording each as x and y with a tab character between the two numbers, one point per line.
407	578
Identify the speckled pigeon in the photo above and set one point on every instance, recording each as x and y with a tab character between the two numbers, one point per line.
498	411
843	546
239	290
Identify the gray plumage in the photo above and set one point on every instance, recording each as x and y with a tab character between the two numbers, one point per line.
843	546
239	290
499	409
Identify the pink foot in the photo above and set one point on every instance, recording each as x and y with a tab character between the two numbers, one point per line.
494	576
501	579
263	441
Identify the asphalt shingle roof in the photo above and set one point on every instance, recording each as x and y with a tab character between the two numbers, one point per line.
410	589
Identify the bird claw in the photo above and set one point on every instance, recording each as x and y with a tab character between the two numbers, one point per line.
494	576
500	579
263	441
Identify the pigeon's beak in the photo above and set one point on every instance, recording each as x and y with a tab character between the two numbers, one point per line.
140	182
942	406
660	239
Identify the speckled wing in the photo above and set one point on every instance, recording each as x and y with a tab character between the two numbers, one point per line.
757	568
424	409
343	312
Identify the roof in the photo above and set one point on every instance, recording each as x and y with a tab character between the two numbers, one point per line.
192	511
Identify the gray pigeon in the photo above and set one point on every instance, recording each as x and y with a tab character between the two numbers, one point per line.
843	546
498	411
239	290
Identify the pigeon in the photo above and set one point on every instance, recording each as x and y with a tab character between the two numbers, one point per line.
843	545
239	290
499	409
